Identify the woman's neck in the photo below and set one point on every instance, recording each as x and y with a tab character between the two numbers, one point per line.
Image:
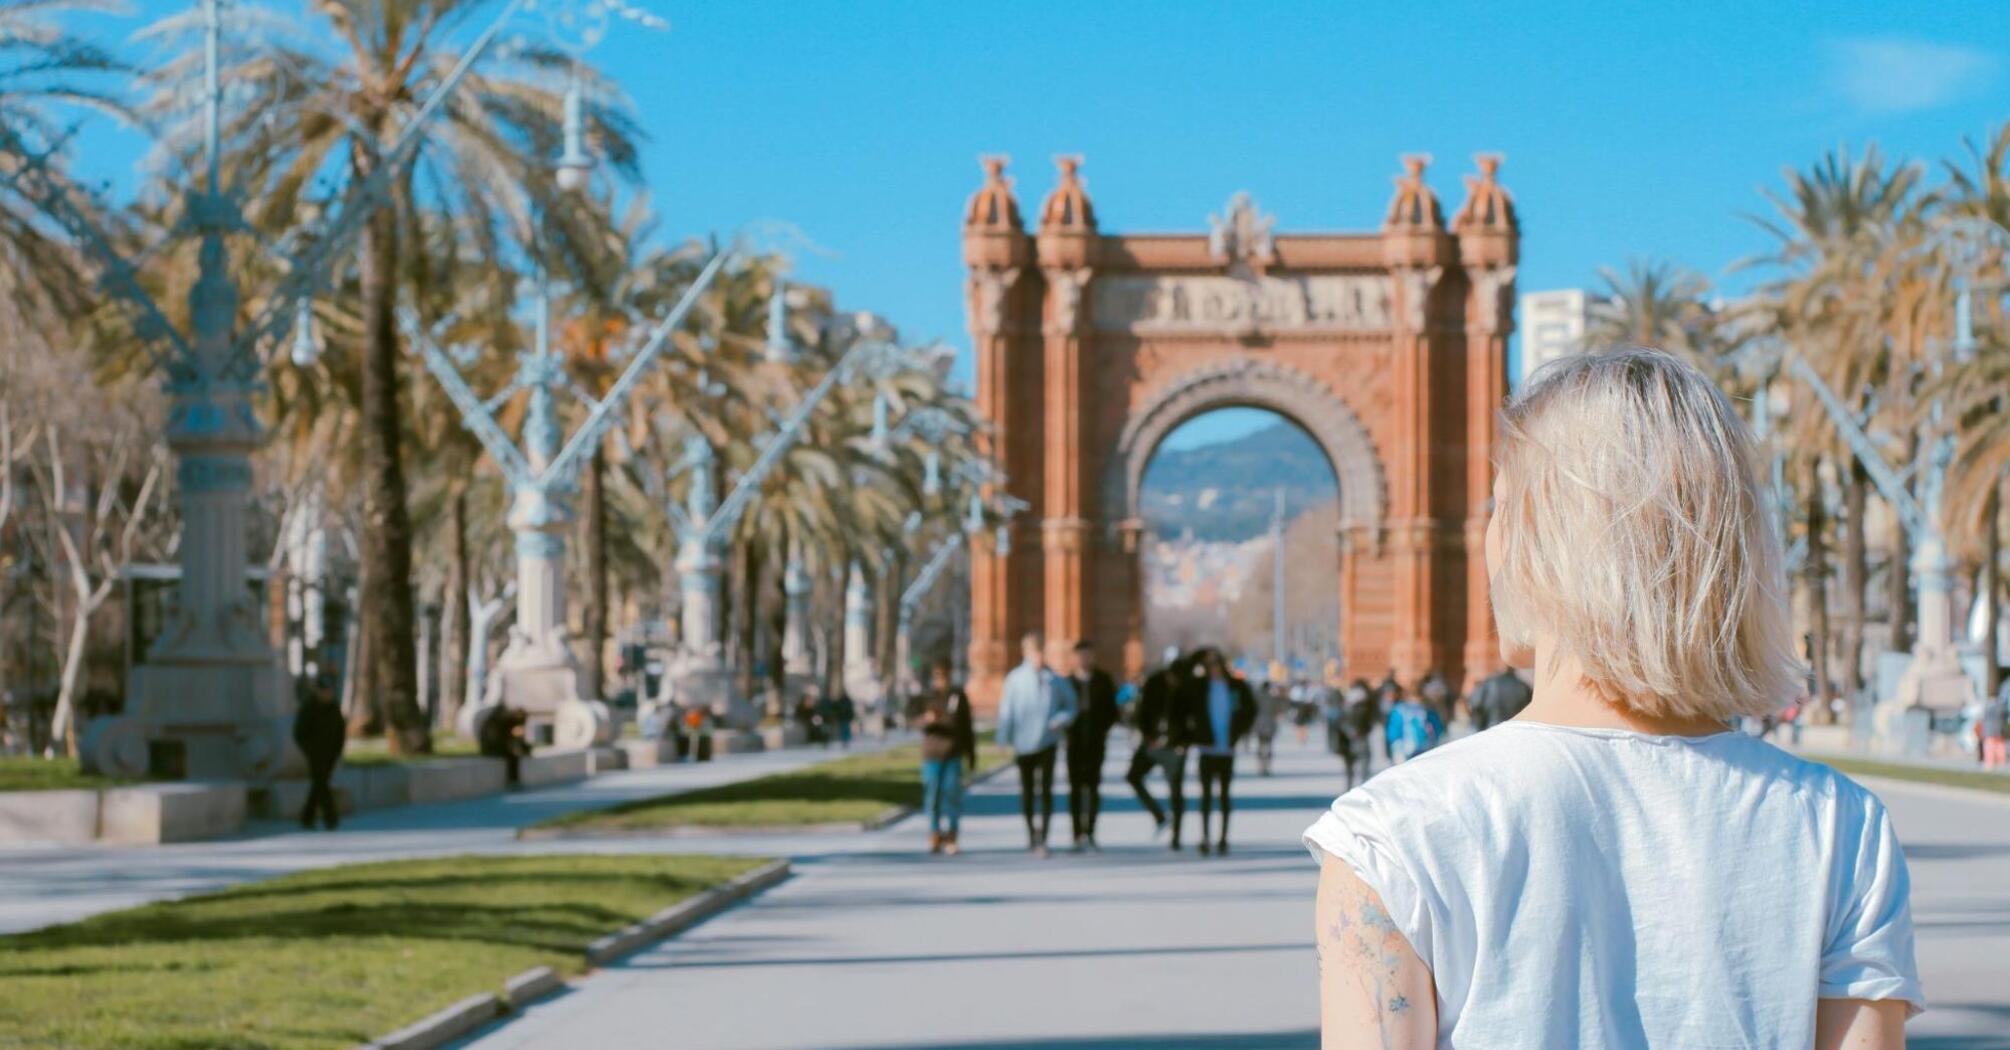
1562	697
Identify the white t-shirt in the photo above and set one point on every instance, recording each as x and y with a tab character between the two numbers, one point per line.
1604	888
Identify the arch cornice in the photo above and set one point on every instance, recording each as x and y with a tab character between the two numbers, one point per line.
1247	382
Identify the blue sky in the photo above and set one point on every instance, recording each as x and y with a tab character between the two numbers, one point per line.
1629	129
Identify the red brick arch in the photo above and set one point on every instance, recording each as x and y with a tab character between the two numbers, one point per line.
1387	347
1248	382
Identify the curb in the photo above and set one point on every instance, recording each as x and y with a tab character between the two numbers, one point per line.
439	1028
463	1017
682	916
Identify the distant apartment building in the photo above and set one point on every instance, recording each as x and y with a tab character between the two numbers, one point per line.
1552	325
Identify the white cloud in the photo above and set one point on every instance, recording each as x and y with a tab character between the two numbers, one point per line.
1893	75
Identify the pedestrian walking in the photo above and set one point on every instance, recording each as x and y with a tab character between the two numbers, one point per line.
1615	867
807	719
827	718
948	755
1413	728
844	713
1269	709
1437	694
1304	708
1227	710
1162	736
1034	711
320	732
1387	692
1497	698
1088	740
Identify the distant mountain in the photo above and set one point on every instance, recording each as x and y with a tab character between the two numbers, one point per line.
1227	492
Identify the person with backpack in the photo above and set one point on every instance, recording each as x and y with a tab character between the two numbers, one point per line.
1413	728
1162	736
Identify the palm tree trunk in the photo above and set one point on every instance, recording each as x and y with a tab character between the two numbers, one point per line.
1818	593
747	608
777	619
1992	583
595	628
454	626
1856	576
1898	577
386	548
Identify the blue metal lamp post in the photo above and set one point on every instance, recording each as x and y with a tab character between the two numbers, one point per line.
212	699
538	672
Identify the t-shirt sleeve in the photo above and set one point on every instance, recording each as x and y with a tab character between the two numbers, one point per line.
1354	831
1868	953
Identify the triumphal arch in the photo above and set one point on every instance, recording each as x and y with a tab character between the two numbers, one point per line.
1387	347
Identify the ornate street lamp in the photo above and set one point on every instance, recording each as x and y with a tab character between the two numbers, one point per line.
538	672
212	699
1934	677
700	677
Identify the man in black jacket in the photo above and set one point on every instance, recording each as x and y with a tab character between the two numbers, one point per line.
1498	699
1088	739
1163	728
1222	708
320	732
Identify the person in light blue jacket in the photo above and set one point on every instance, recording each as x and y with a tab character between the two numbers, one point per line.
1034	711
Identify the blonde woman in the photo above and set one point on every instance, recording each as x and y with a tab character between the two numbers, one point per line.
1615	867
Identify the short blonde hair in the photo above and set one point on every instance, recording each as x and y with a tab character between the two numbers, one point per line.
1635	537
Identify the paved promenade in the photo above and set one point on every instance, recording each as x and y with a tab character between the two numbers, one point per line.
875	944
43	885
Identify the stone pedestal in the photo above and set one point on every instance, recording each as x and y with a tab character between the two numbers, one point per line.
798	661
212	700
862	681
700	676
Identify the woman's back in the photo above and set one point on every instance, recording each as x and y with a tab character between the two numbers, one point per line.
1606	888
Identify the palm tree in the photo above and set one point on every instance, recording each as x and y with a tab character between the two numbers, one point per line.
1844	295
303	112
1659	304
45	72
1975	389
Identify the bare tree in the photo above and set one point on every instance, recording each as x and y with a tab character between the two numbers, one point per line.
93	565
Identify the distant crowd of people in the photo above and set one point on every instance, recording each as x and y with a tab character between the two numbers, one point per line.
1057	721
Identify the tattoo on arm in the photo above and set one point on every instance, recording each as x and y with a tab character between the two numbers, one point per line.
1360	945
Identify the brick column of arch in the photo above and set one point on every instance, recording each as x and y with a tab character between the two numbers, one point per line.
998	254
1333	425
1489	247
1066	249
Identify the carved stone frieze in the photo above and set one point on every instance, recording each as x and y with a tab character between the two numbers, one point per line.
1066	287
1418	285
989	290
1162	304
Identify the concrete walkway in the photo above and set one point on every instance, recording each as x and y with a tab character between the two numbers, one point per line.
876	944
44	885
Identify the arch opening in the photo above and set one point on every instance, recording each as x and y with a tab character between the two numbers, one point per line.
1239	504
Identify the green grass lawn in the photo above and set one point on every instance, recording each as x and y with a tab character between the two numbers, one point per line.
327	958
28	773
1962	778
846	790
374	751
